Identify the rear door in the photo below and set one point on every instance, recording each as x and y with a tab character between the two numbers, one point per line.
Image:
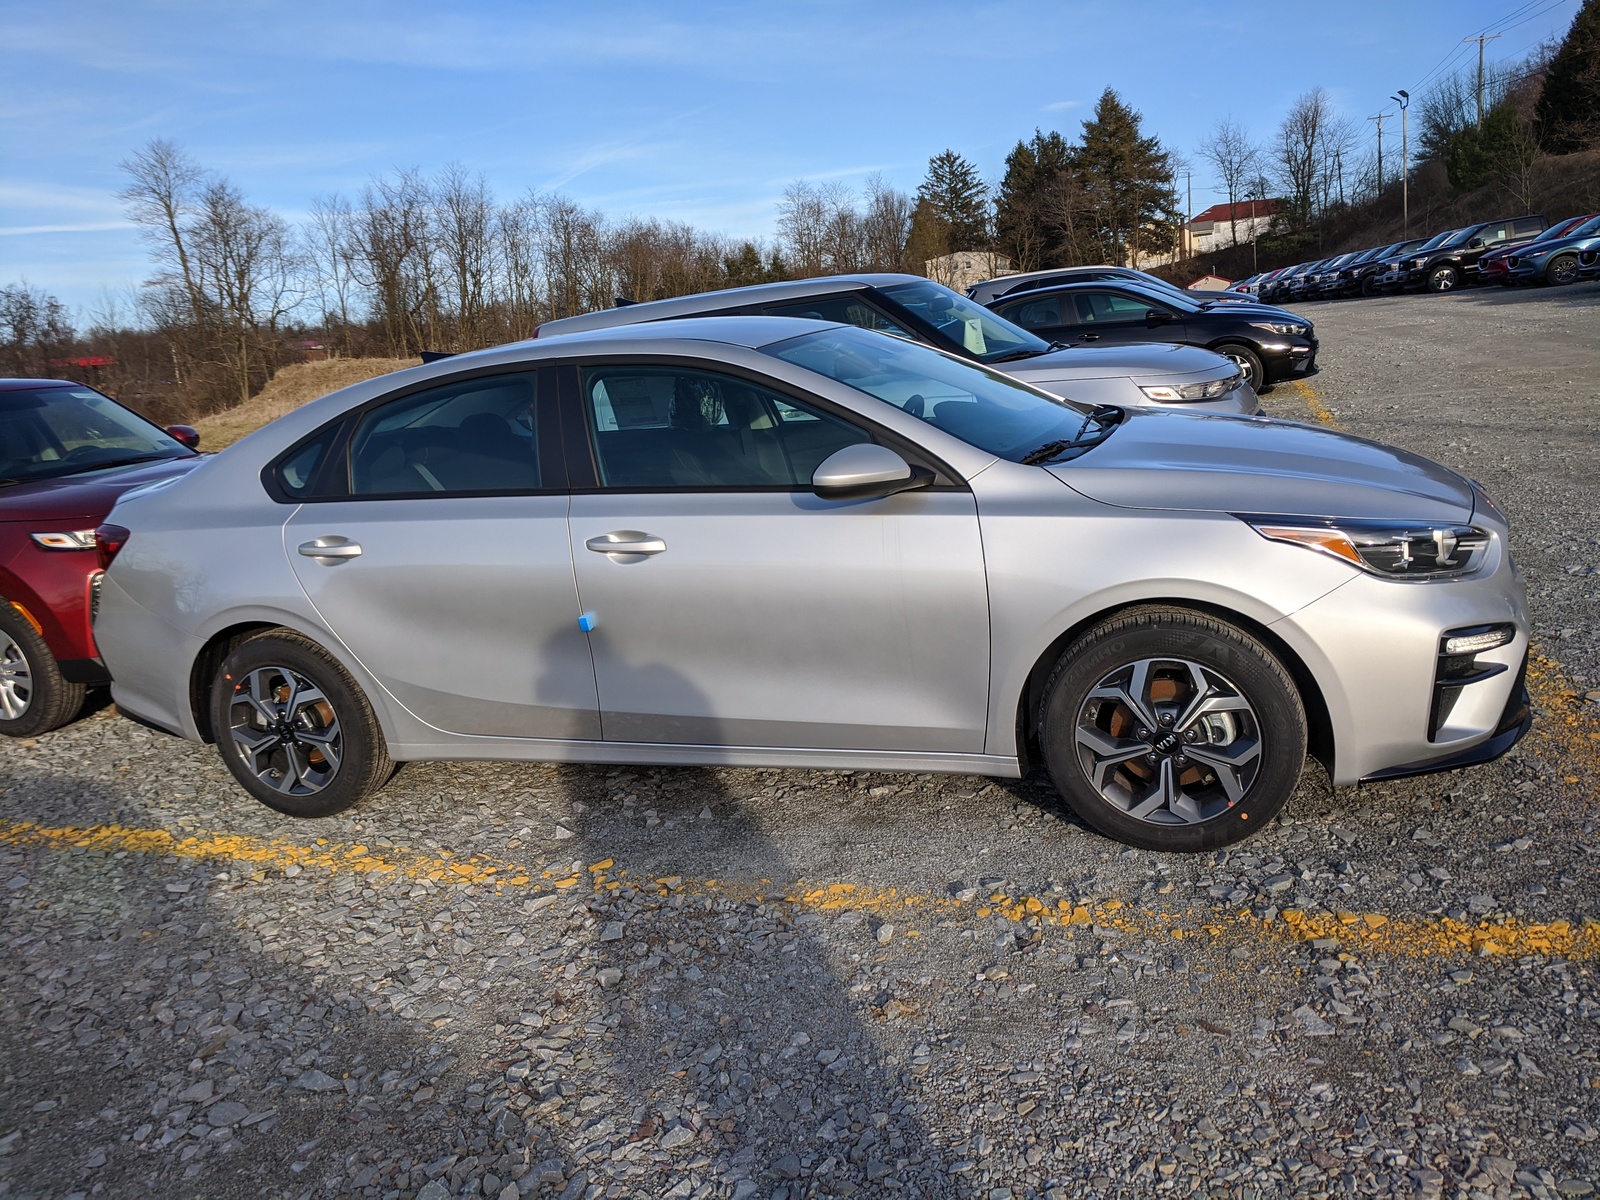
439	555
1116	318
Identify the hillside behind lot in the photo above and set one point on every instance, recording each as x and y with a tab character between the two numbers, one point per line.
290	388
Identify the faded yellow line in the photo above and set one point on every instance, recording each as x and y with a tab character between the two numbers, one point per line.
1350	933
1313	401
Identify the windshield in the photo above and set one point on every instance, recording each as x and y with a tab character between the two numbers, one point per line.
983	408
1456	238
1592	225
966	327
1440	239
49	432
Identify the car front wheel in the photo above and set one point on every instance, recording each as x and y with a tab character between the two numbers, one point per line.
34	696
1443	279
1169	729
294	728
1562	270
1248	363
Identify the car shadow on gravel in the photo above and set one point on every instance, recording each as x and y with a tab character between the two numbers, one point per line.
736	1054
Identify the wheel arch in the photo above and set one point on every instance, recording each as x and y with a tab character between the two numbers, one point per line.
209	661
1319	724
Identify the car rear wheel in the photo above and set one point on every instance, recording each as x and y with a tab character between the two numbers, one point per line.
34	696
294	728
1171	730
1443	279
1563	269
1248	363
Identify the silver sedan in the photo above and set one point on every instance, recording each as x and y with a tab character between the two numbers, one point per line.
778	542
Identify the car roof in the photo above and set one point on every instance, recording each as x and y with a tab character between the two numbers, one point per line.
15	385
750	332
701	302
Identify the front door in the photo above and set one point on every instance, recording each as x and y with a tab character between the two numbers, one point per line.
445	565
729	605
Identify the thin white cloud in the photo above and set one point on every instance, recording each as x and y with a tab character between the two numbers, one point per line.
89	227
1063	105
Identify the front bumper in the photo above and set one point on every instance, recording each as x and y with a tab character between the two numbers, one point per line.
1292	359
1515	721
1373	647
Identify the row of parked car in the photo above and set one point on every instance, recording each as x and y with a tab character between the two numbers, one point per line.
1512	251
858	523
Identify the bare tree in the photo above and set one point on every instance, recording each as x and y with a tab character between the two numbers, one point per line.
803	225
163	189
463	221
394	259
1237	161
885	225
330	242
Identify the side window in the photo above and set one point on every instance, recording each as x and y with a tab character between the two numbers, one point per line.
1035	314
681	428
298	472
473	436
1526	226
847	310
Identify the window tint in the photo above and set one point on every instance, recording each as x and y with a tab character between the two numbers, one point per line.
1527	225
1036	314
671	427
477	435
1110	308
299	470
847	310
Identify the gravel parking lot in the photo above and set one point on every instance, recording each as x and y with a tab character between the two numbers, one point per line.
509	980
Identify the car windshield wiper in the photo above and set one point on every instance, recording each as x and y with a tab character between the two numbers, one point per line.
1016	354
114	462
1098	414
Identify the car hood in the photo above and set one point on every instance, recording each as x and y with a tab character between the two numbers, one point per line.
1207	463
84	500
1158	361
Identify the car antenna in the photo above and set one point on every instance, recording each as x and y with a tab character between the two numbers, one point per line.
430	356
622	302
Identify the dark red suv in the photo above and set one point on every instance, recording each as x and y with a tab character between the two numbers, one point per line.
66	454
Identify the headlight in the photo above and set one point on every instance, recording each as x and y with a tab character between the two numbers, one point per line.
1189	392
1389	548
76	539
1413	263
1281	328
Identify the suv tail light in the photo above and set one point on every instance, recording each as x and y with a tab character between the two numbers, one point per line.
108	541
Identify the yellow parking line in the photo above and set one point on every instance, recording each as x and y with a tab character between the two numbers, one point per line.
1351	933
1313	401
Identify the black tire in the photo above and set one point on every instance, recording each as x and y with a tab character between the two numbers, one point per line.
1443	278
317	748
1248	362
1369	284
34	696
1562	270
1259	726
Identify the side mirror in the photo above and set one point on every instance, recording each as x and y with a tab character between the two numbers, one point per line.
1157	316
866	472
1475	244
187	434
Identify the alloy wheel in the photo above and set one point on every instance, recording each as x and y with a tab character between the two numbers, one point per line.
16	679
285	731
1247	368
1169	741
1563	270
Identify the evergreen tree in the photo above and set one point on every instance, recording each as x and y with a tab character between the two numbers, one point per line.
1127	180
1569	107
1033	209
954	204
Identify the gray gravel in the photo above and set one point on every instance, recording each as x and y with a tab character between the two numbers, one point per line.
253	1023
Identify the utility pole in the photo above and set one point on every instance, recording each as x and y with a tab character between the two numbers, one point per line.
1380	119
1403	99
1488	37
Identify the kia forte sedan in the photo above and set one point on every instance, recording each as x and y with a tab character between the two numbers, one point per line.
777	542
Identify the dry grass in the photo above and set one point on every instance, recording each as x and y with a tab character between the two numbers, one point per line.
289	389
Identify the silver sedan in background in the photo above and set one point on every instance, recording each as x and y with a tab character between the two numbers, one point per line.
777	542
1157	374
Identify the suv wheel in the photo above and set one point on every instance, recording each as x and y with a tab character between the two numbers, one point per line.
1563	269
34	696
293	727
1443	278
1171	730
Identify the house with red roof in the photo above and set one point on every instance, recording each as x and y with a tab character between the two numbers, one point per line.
1226	225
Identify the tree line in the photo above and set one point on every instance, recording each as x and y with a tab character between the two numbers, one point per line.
414	262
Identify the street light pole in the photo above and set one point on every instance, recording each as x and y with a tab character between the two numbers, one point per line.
1403	99
1251	197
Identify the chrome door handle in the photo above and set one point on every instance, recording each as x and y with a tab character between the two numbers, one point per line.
626	541
330	548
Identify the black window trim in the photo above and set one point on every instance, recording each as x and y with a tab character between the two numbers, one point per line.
552	460
584	475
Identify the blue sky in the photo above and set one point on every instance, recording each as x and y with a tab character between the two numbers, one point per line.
694	112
